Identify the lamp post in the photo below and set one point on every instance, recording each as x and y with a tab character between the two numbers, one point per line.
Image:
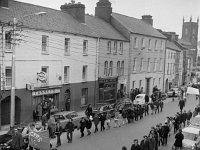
12	107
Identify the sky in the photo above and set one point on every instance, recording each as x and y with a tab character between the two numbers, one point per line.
167	14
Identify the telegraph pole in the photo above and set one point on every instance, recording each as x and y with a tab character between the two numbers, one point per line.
1	72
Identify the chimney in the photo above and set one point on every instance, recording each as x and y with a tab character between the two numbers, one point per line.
76	10
103	10
148	19
4	3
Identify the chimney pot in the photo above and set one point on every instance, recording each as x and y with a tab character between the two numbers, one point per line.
148	19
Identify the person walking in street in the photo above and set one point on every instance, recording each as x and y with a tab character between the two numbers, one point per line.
152	142
88	123
178	140
181	105
88	111
108	120
102	120
17	140
184	118
82	126
70	129
161	104
189	116
165	133
58	133
145	143
44	121
96	120
135	145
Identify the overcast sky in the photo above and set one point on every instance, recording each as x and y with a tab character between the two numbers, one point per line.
167	14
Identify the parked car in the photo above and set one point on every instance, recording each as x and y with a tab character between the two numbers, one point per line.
171	91
124	104
63	118
140	99
105	109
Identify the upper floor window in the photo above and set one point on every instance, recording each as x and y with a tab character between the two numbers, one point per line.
141	64
84	96
168	68
84	73
118	68
148	65
135	42
85	47
168	55
111	68
8	76
160	64
162	45
121	48
156	44
134	64
66	74
143	43
67	46
155	64
149	44
172	55
8	39
106	68
45	44
122	68
109	47
115	47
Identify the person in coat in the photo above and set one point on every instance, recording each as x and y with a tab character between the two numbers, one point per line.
17	140
178	140
152	142
35	115
145	143
69	127
165	133
189	116
58	133
181	104
135	145
96	120
88	124
82	126
102	120
161	104
88	111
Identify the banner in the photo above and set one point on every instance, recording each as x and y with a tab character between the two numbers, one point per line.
191	90
39	140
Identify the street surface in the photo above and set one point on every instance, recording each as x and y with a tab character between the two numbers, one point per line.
115	138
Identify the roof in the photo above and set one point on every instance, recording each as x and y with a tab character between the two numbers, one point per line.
137	26
171	45
53	20
103	29
184	42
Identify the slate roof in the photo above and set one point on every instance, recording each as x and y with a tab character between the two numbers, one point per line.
53	20
103	29
137	26
184	42
171	45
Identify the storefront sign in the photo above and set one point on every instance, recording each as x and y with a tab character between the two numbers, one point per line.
45	92
107	80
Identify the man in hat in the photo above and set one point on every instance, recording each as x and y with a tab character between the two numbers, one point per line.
135	145
179	138
145	143
165	133
70	129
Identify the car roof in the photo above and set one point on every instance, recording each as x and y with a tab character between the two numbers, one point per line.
64	113
3	132
191	130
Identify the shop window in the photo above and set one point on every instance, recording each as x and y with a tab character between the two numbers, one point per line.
106	68
84	73
84	96
67	46
109	47
8	39
8	73
111	68
118	68
66	74
85	47
45	44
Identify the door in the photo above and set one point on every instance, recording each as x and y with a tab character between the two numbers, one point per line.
67	99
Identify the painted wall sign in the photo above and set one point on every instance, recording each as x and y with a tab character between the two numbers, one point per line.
45	92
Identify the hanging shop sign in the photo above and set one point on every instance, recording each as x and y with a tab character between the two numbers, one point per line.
45	92
42	76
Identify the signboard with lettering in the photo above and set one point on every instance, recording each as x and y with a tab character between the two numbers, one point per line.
39	140
45	92
101	80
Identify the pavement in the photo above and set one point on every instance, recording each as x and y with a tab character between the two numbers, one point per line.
115	138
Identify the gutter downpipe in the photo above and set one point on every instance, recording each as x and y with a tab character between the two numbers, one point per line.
164	67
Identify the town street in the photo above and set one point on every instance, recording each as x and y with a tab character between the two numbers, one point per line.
115	138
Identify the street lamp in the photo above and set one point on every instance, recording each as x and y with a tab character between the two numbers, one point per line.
12	108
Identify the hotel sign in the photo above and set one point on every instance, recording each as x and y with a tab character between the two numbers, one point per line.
45	92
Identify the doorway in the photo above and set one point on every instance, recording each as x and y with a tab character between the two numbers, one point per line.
67	99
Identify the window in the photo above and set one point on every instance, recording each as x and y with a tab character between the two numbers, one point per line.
133	84
85	47
140	84
122	68
118	68
168	68
8	39
45	44
8	73
109	47
67	46
121	48
155	64
135	42
106	68
141	64
160	64
156	44
46	70
111	69
66	74
148	65
168	55
143	43
84	73
159	81
115	47
149	44
134	64
84	96
171	55
163	45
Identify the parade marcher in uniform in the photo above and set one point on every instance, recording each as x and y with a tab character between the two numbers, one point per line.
70	129
135	145
96	120
58	133
82	126
178	140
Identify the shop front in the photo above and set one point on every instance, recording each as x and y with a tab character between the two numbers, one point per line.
46	100
107	90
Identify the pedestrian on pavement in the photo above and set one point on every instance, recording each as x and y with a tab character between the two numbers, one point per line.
124	116
159	129
51	127
181	104
161	104
178	140
70	129
184	117
146	111
96	120
145	143
82	126
102	120
165	133
152	142
88	111
88	123
58	132
39	108
152	107
135	145
17	140
189	116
